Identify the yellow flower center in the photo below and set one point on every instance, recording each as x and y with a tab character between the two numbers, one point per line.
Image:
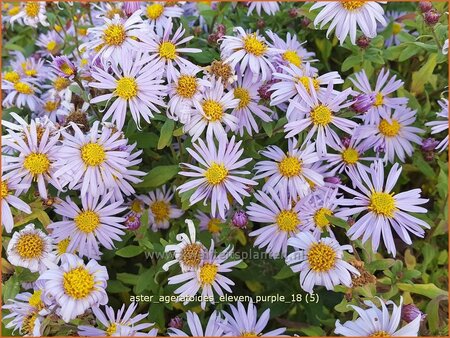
62	246
287	220
111	329
379	100
28	323
243	95
167	50
51	45
321	115
112	13
213	110
321	257
32	9
35	300
30	246
208	273
191	255
160	210
396	28
388	129
350	156
221	70
155	11
304	80
66	69
78	283
380	334
14	10
291	56
87	221
28	72
382	203
93	154
253	46
12	76
320	217
290	167
187	86
214	225
216	174
50	106
4	190
61	83
248	334
58	28
126	88
36	163
114	35
136	206
23	88
352	5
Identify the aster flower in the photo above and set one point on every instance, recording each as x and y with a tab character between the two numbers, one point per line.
441	125
111	322
393	133
38	152
283	217
31	13
210	113
115	37
289	172
210	223
30	248
64	67
160	211
75	286
50	43
346	16
293	52
383	87
320	262
319	113
220	173
269	7
242	322
248	50
52	107
21	93
165	50
59	85
10	190
159	14
94	162
97	221
213	327
383	210
188	252
134	86
395	18
30	67
247	92
375	322
185	89
207	277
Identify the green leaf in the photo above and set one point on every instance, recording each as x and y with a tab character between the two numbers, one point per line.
166	134
380	264
115	286
127	278
409	52
285	272
350	62
11	288
428	290
130	251
158	176
424	75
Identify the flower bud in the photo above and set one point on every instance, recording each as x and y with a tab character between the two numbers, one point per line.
431	17
363	42
333	180
133	221
64	67
221	29
429	144
264	91
260	23
411	312
363	103
240	219
293	12
425	6
346	141
176	323
129	7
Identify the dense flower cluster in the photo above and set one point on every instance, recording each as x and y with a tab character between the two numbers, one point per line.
123	123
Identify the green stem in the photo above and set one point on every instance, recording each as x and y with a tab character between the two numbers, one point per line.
436	39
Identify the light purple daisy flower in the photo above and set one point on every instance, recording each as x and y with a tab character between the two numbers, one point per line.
320	113
347	16
97	221
210	223
213	327
320	262
220	173
290	172
394	134
136	86
242	322
49	43
208	277
382	209
160	14
31	14
64	67
441	125
283	216
21	93
268	7
166	50
383	87
210	113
